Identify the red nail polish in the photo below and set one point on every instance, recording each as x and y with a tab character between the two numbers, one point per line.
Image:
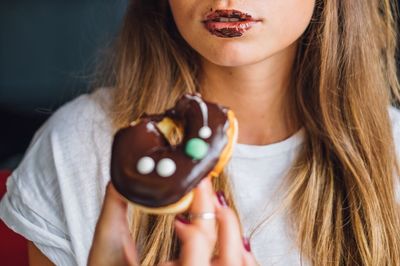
221	198
246	244
182	219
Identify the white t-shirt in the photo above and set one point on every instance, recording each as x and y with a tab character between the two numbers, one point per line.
55	195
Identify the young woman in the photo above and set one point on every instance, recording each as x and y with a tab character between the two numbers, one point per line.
313	177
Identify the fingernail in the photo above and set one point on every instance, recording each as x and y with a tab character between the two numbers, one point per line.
182	219
221	199
246	244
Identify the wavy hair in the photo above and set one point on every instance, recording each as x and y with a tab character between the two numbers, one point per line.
340	191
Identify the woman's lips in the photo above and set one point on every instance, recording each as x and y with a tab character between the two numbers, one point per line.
228	29
228	23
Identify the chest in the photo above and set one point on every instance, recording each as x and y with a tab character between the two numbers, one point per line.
257	187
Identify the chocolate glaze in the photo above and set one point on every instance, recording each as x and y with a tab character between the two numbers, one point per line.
236	29
229	13
145	139
227	32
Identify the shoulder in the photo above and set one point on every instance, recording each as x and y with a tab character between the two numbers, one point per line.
84	113
394	115
72	149
60	183
78	127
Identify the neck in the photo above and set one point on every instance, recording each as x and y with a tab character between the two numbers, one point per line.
259	94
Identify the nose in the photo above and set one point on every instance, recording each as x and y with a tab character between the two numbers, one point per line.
224	4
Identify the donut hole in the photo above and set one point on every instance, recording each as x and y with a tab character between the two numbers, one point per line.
172	131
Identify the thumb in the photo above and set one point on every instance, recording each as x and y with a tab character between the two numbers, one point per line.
114	206
112	239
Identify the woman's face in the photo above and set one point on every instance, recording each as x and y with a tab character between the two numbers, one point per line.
237	33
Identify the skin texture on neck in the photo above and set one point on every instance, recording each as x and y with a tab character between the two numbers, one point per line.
258	93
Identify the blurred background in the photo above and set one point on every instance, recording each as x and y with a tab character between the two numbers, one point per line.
48	51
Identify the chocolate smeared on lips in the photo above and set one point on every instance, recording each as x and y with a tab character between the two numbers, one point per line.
228	23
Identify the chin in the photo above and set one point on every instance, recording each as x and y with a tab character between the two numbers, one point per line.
231	56
234	61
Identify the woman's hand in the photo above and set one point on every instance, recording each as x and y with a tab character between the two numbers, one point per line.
200	235
113	245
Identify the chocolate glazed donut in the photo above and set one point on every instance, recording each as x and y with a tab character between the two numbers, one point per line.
159	177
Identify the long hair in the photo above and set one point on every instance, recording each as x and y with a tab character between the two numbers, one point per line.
340	192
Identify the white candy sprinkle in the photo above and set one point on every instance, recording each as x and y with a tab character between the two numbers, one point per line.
166	167
205	132
145	165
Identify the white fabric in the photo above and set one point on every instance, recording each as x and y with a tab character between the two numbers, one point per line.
55	195
256	173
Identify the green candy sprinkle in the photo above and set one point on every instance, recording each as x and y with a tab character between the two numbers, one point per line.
196	148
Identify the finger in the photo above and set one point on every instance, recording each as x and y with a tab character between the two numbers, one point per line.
169	263
203	202
112	236
129	251
229	234
198	236
113	219
195	250
114	205
113	215
249	259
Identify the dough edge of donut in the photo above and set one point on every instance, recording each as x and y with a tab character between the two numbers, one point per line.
177	207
